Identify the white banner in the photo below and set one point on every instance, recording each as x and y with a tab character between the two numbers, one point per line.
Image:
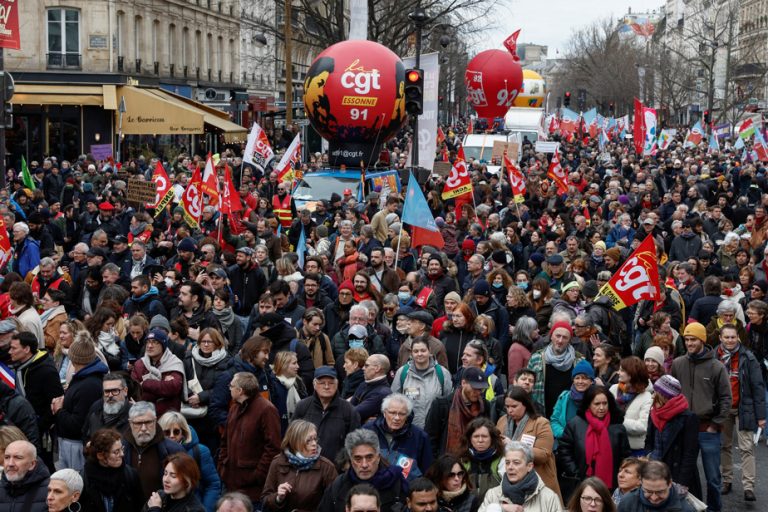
546	147
358	20
430	63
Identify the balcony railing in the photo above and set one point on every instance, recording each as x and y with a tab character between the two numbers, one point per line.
63	60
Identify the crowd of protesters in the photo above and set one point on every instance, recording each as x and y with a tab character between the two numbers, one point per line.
155	366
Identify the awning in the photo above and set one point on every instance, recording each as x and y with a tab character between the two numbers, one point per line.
61	94
212	117
149	113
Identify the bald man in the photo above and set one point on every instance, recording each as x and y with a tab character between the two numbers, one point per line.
24	484
369	395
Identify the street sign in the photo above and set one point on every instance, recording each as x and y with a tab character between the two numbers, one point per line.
140	192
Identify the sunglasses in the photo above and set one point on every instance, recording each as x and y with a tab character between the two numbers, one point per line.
172	432
457	474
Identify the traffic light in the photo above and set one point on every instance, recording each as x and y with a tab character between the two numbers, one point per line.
6	93
567	98
414	91
611	107
707	117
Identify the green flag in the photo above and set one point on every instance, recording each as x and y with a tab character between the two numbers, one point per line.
25	176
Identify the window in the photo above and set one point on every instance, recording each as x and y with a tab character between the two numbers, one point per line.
138	37
63	38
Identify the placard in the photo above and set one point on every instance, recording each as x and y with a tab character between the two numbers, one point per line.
546	147
442	168
101	151
499	146
140	192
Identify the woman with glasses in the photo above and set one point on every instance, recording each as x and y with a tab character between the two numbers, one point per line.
299	475
523	424
176	428
455	491
482	455
110	485
591	495
728	312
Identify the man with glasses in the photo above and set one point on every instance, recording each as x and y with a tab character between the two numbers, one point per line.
159	373
111	411
362	447
371	393
333	416
146	447
656	491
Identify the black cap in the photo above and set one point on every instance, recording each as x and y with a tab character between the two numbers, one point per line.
555	259
422	316
120	239
269	320
475	377
97	251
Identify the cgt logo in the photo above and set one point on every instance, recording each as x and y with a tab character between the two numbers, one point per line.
359	79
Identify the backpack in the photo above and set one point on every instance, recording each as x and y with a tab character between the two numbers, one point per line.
438	371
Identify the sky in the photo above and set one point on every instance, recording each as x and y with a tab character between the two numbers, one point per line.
551	22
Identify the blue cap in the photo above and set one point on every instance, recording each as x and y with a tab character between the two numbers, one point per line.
482	288
583	368
158	335
325	371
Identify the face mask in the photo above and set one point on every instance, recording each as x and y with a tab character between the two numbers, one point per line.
403	296
355	343
536	294
523	285
168	282
498	285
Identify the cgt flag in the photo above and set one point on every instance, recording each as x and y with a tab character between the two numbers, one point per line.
458	182
164	190
510	44
516	180
292	156
258	152
636	280
557	174
5	245
192	200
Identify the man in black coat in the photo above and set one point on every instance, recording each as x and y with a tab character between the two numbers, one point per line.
24	484
247	282
112	410
37	380
656	492
16	410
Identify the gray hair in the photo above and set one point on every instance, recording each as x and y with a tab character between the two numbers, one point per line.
109	267
367	231
516	446
370	306
524	327
346	224
560	316
236	497
47	262
390	298
498	236
71	479
397	397
99	232
142	408
360	437
727	306
22	226
81	247
357	308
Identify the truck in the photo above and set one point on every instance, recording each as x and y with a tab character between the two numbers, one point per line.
526	122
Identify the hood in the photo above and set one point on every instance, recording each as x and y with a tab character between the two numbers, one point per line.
281	333
706	355
147	296
97	367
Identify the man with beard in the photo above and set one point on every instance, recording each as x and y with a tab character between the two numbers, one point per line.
104	221
185	256
437	279
312	296
247	283
145	447
112	410
24	484
283	206
364	290
38	230
144	298
384	279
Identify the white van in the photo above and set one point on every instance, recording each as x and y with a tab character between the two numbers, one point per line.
526	122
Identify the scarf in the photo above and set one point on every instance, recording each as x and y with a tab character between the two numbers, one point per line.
451	495
215	358
459	416
624	396
576	395
384	479
660	416
106	480
515	430
168	363
484	455
108	343
50	313
138	229
517	492
225	317
598	449
300	462
725	356
293	395
562	361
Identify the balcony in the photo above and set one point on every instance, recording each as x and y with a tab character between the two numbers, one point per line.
63	60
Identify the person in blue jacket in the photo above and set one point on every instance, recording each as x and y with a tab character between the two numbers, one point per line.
176	428
370	394
26	250
401	442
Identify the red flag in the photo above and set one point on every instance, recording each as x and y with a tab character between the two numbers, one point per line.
440	136
510	44
192	200
421	236
516	180
292	157
5	244
638	127
230	198
557	174
470	127
210	181
164	190
458	182
587	216
637	279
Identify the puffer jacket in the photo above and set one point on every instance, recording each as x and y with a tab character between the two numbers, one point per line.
636	417
28	494
209	488
422	387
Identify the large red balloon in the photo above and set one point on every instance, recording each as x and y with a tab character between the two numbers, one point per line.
354	93
493	80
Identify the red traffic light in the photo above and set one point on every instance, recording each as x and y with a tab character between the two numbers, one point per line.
567	94
413	76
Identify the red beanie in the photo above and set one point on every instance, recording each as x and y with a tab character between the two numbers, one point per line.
468	244
347	285
561	324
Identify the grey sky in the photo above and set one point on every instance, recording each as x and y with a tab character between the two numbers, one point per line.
551	22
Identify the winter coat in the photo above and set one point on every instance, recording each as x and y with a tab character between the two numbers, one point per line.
38	381
706	386
206	375
422	387
441	287
149	304
307	486
97	419
28	494
292	311
333	423
392	498
188	503
751	391
455	341
543	499
209	488
436	423
164	393
684	247
340	343
410	441
680	449
84	389
713	332
538	366
500	317
27	257
281	336
17	411
148	460
250	441
631	503
30	321
565	409
220	396
436	348
636	417
368	398
127	496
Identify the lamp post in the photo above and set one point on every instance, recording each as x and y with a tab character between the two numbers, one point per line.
420	18
288	67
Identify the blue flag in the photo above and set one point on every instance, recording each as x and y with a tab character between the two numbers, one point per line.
739	144
301	246
416	210
714	145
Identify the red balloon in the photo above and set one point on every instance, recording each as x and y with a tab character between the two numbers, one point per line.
354	92
493	80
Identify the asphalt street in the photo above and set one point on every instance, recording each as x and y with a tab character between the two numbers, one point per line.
735	500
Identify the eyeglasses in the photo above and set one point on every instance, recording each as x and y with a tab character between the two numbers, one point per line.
141	424
112	392
592	500
660	493
207	341
457	474
172	432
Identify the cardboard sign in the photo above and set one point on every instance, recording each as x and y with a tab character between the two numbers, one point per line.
140	192
512	149
442	168
546	147
101	151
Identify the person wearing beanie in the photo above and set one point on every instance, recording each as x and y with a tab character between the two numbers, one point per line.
673	432
71	410
336	314
159	373
450	303
569	401
706	386
654	363
553	366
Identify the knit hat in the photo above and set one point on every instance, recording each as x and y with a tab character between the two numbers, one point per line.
614	253
583	368
347	285
561	325
187	245
696	330
499	257
537	258
568	286
159	322
158	335
437	258
656	354
468	245
482	288
599	244
82	352
589	290
762	284
455	297
667	386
